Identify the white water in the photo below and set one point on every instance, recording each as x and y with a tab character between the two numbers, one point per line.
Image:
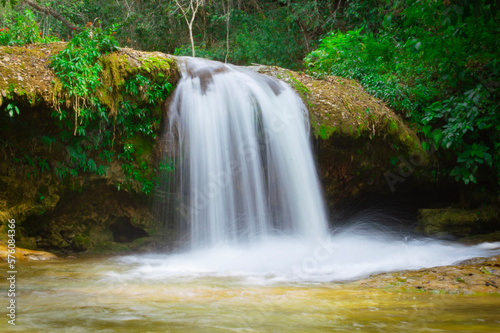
247	170
344	256
250	196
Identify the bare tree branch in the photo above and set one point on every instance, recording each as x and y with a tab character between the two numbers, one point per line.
52	13
193	10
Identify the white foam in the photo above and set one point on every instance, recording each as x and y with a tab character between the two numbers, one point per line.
340	257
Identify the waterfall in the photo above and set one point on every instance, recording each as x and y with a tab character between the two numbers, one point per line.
244	165
247	197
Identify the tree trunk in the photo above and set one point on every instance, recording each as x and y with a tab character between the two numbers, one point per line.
191	38
228	14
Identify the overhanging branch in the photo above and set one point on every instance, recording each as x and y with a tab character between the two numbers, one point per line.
52	13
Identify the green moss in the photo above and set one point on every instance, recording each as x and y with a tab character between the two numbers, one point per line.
81	242
299	86
393	127
155	64
117	69
109	247
143	149
458	222
325	131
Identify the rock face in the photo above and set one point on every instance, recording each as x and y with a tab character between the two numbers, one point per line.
361	144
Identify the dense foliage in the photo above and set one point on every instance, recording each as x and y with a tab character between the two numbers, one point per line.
269	32
438	63
22	28
78	67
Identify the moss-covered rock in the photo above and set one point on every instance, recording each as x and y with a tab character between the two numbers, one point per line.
459	222
86	211
475	276
25	73
28	78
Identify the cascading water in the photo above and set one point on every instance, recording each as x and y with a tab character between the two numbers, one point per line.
246	167
248	197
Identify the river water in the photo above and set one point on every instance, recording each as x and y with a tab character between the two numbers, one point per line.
117	294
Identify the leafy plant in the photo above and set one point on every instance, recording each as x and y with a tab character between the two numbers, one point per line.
12	109
78	66
94	126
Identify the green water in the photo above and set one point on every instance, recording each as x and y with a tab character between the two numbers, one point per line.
81	296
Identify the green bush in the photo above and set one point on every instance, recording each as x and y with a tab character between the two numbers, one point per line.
270	40
215	52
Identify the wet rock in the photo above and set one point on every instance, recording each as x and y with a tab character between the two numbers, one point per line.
25	255
474	276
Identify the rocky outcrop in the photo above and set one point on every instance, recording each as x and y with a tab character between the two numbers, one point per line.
475	276
26	76
361	145
21	254
84	211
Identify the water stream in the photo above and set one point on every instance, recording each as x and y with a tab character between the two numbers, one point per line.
250	198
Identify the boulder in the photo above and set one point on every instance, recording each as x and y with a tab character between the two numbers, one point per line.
84	211
459	222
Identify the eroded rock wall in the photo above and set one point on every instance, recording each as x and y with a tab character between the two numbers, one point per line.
53	209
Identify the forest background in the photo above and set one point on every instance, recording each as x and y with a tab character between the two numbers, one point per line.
435	62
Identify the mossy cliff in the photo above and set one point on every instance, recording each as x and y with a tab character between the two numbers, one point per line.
63	194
